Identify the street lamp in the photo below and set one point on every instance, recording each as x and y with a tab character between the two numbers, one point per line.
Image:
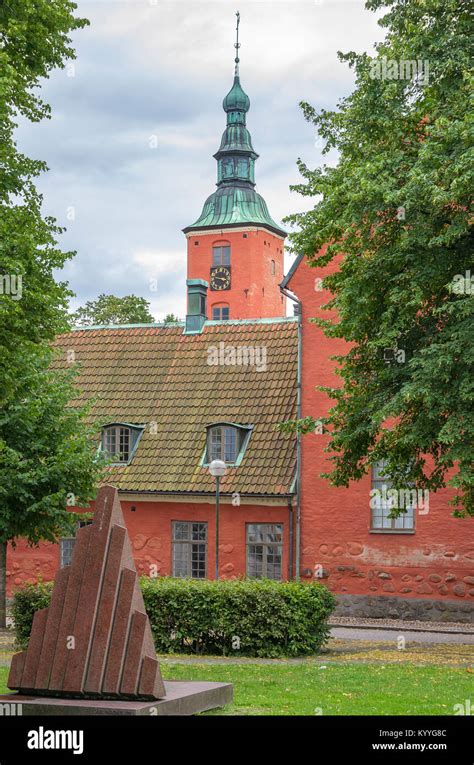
217	469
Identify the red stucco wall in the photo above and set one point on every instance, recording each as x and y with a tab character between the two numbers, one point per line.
254	292
437	561
149	527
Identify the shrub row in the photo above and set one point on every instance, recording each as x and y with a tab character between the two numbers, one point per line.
242	617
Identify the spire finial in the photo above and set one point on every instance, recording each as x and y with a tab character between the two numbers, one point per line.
237	45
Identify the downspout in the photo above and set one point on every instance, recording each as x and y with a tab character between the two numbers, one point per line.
290	551
298	434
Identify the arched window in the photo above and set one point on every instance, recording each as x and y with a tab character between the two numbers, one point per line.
227	441
221	312
120	440
221	254
272	267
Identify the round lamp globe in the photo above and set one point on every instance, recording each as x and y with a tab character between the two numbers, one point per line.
217	468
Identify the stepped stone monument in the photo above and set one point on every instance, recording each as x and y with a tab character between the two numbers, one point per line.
91	651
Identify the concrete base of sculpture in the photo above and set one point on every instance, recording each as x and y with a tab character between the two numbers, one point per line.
182	698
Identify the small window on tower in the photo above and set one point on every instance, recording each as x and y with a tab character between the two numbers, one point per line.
196	242
221	255
220	312
272	267
245	236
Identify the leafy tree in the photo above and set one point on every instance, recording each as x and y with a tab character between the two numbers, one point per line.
108	309
170	318
398	206
45	453
33	307
48	458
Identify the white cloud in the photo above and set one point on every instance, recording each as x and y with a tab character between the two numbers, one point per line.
163	70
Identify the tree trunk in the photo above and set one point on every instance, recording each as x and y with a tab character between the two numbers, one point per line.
3	584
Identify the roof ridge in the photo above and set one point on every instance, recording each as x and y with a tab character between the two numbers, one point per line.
207	323
150	325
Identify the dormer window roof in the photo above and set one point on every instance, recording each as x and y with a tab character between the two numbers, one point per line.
120	441
226	441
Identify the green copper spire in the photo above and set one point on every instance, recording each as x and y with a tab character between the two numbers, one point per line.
235	201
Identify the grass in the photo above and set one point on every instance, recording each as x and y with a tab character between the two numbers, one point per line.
310	688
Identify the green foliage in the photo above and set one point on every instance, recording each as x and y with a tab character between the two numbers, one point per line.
261	617
348	687
27	600
398	205
264	618
170	318
33	41
108	309
48	456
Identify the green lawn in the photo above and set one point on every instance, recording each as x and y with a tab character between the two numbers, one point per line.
337	689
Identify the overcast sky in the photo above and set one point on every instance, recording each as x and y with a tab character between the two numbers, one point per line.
136	121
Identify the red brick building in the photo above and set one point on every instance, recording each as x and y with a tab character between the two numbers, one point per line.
171	398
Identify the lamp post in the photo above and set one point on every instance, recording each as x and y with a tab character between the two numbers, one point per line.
217	469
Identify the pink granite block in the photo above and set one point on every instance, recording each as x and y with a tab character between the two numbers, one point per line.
150	685
45	661
118	640
68	615
16	671
77	660
105	611
132	665
34	649
95	638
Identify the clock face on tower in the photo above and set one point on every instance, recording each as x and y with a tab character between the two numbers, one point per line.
220	278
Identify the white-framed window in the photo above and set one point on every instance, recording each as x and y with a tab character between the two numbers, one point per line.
190	549
120	440
264	550
66	546
382	503
221	254
227	442
220	312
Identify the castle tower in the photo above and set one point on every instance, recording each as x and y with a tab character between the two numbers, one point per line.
235	245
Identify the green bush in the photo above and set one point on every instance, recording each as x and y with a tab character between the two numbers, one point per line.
27	600
241	617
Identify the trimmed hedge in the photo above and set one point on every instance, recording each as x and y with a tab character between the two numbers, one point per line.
27	600
240	617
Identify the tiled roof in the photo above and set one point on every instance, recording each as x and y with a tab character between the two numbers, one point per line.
159	377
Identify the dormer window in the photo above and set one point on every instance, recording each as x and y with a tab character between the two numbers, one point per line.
120	440
227	442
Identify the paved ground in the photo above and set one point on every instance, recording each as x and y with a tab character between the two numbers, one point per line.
350	628
418	636
359	651
351	621
352	642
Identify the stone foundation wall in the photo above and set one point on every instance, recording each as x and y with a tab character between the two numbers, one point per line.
416	609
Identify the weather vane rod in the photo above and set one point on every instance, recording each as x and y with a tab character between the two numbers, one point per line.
237	45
